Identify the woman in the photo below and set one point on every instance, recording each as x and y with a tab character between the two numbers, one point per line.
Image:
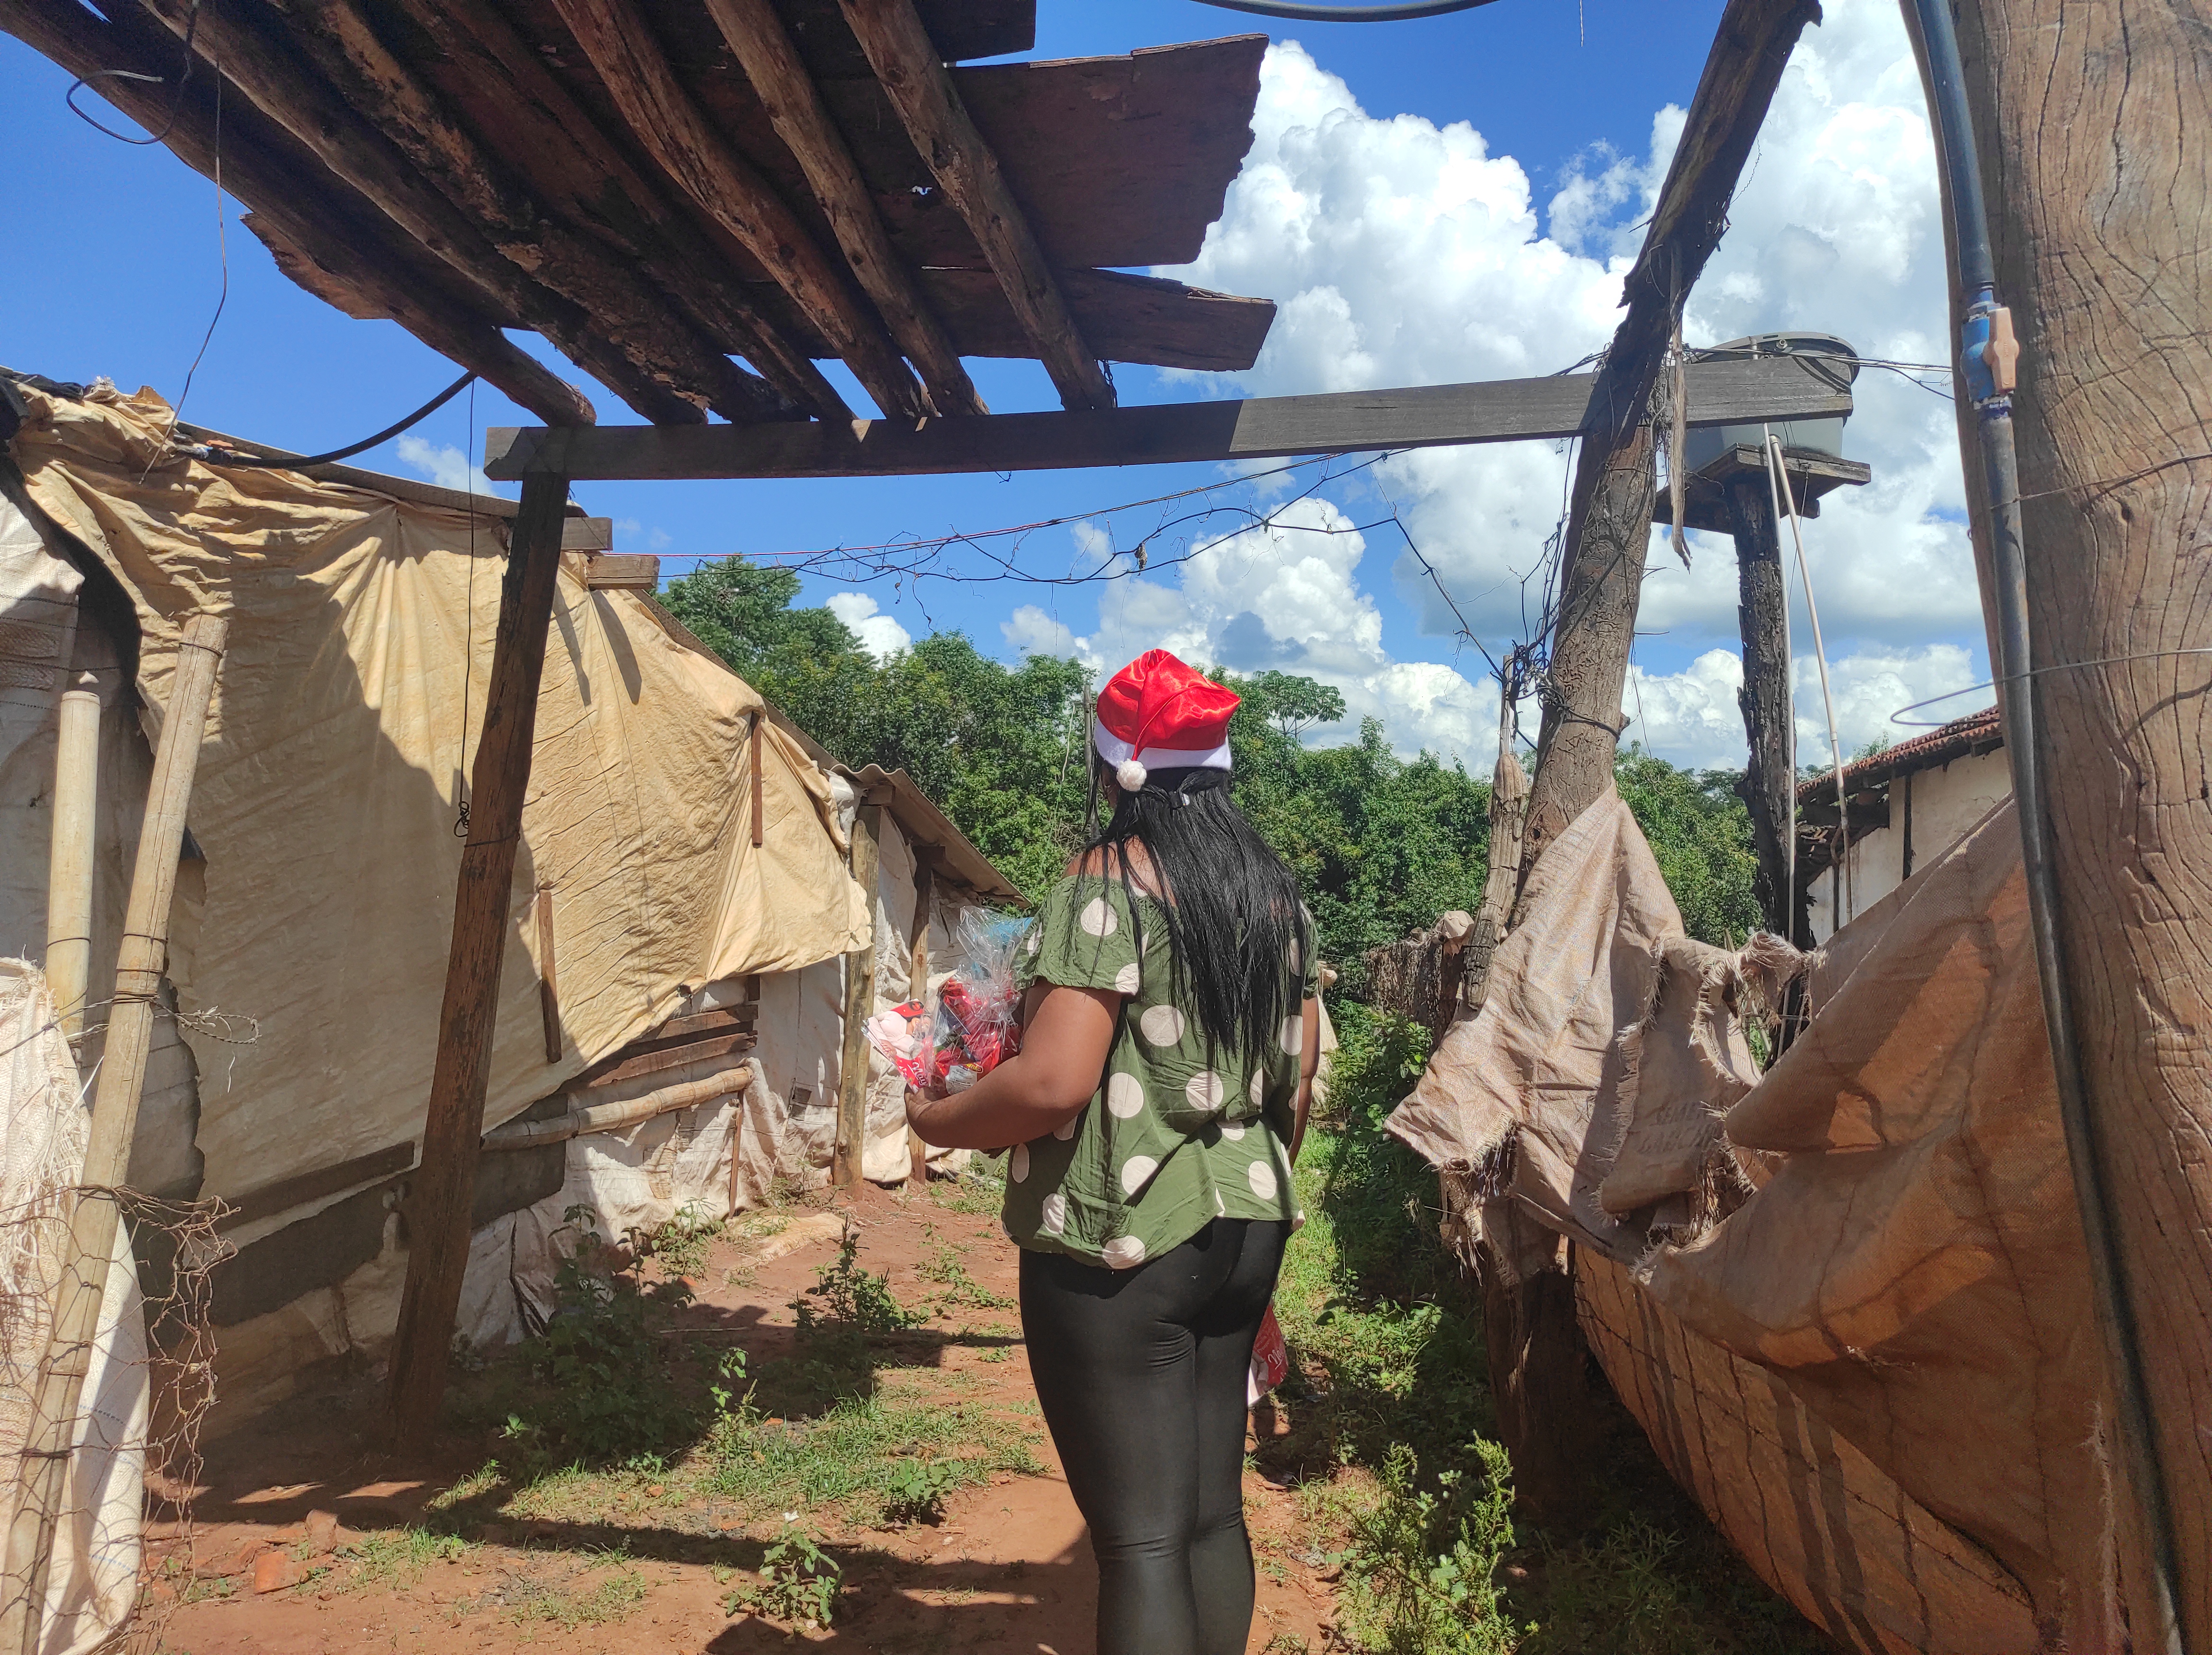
1155	1107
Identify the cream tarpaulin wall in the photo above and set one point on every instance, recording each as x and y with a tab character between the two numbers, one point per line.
345	718
1858	1326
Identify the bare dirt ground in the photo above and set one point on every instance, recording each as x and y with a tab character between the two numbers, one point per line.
307	1541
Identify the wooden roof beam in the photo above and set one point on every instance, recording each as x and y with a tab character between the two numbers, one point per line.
280	191
494	79
795	109
636	320
275	83
660	113
920	88
1352	421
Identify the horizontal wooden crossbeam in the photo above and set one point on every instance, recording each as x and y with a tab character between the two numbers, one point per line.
1427	416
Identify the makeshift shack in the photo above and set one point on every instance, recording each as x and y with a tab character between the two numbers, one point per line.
680	918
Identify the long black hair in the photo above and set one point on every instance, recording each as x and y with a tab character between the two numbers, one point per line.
1235	926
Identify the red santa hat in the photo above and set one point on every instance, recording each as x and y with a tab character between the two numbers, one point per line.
1161	713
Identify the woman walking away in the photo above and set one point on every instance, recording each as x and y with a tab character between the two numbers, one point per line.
1155	1110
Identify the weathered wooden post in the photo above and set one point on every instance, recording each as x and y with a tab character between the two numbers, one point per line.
926	858
70	859
859	1004
1536	1357
443	1192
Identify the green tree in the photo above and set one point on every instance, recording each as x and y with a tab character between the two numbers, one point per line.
1700	833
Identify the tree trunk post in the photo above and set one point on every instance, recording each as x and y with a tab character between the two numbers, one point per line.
925	910
1770	778
2097	164
443	1193
860	1002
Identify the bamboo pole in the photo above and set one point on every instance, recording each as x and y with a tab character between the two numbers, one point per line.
444	1192
69	866
859	1002
917	980
96	1215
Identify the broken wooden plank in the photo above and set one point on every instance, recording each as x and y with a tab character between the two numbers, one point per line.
504	90
269	1199
967	168
630	1063
588	534
297	207
549	981
661	115
622	571
958	28
795	109
1499	411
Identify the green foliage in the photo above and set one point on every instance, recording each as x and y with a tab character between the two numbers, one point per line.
798	1583
1700	833
916	1491
855	1299
1424	1562
854	1454
681	1244
396	1558
602	1391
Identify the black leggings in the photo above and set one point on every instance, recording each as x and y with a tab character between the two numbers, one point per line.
1141	1374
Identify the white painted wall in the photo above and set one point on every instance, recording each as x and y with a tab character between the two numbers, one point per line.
1946	802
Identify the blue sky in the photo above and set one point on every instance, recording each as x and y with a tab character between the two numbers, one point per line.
1451	254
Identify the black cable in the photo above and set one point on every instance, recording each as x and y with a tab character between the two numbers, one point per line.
216	455
176	102
1291	11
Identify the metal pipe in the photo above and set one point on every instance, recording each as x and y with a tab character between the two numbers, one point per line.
1989	381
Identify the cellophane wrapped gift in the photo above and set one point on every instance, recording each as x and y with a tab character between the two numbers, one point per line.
946	1041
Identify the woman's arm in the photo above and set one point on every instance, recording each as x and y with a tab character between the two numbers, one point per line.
1309	1066
1043	1086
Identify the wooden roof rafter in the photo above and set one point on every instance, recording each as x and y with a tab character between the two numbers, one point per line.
658	187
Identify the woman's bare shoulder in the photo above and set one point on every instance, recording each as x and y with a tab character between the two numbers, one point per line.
1107	861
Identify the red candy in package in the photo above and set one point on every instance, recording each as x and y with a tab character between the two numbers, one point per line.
973	1022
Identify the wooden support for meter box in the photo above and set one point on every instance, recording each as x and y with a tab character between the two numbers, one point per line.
1537	1359
860	1000
43	1469
1740	391
443	1189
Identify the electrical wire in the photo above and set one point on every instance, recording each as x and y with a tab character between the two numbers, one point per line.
216	455
1848	902
1291	11
176	102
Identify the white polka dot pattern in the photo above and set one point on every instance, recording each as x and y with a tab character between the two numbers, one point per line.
1129	978
1065	1130
1137	1172
1205	1091
1055	1212
1125	1097
1123	1252
1262	1176
1098	918
1294	1035
1259	1088
1018	1164
1161	1025
1220	1207
1234	1134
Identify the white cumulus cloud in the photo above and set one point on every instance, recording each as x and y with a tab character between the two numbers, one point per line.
446	466
1403	252
879	634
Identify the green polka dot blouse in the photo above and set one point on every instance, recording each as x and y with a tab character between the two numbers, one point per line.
1177	1136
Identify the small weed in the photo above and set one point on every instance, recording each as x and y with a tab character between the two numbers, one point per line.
1284	1643
961	1289
916	1491
798	1583
681	1244
858	1300
1424	1563
396	1558
851	1456
538	1596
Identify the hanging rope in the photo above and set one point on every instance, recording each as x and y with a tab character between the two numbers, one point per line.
1778	480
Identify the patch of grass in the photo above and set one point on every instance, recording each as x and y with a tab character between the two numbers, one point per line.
980	1189
396	1558
567	1599
917	1490
1390	1447
853	1456
960	1289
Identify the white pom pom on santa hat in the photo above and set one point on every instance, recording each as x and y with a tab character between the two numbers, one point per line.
1131	775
